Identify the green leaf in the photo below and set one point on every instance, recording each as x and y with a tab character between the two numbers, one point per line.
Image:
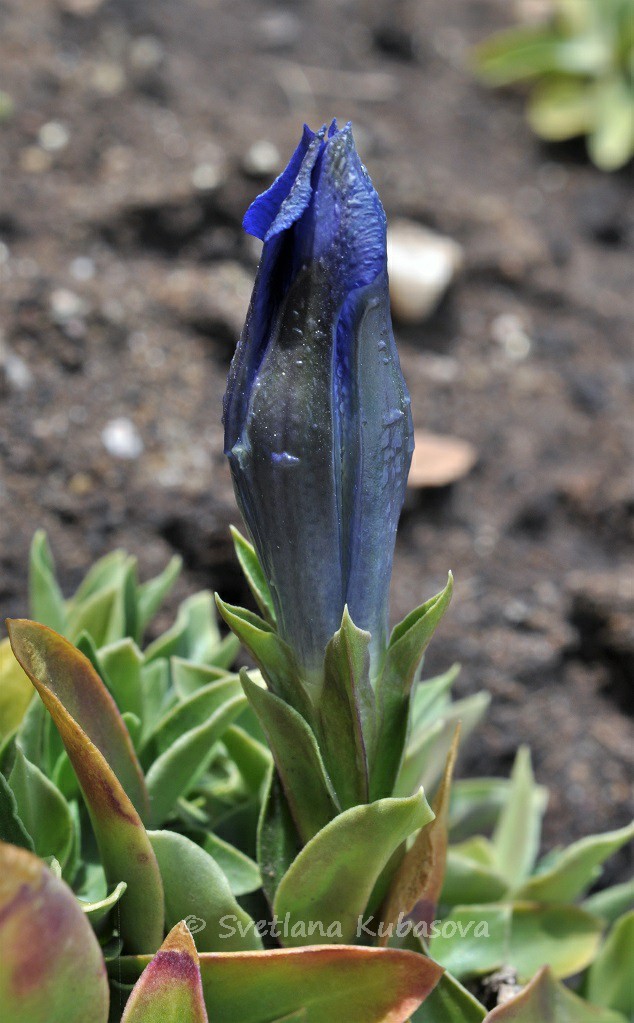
609	981
517	54
169	989
155	681
476	940
106	613
12	828
57	669
195	710
545	1000
355	985
610	903
476	804
252	759
408	643
277	840
346	717
570	872
240	870
252	569
194	635
419	878
431	697
43	810
562	108
332	879
46	603
16	692
611	144
121	662
449	1002
308	790
518	830
471	874
428	749
189	677
274	657
151	594
51	967
175	771
197	890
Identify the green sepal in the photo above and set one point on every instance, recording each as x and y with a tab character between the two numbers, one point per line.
407	645
332	879
308	789
346	716
254	575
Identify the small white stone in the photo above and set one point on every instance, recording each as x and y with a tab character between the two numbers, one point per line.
146	53
82	268
53	136
14	369
422	265
121	439
66	305
510	333
207	176
262	159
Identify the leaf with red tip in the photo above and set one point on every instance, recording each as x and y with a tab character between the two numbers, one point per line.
51	967
58	671
57	668
170	987
326	983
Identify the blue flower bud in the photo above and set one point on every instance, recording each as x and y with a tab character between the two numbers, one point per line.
317	416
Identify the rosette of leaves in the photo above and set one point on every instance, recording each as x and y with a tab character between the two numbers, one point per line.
580	65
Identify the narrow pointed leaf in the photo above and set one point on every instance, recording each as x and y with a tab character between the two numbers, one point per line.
43	810
252	759
46	603
334	875
196	888
151	594
609	981
51	967
125	849
242	873
575	868
182	763
610	903
169	989
252	569
546	1000
66	679
122	662
306	784
355	985
107	613
346	713
418	880
16	691
408	643
99	910
196	710
517	834
274	657
278	842
188	677
471	876
12	828
194	634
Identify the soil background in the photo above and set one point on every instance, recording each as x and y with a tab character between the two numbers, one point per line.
124	277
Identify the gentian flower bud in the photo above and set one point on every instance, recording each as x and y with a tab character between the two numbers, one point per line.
317	416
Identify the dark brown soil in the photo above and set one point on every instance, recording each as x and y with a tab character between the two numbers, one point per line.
158	270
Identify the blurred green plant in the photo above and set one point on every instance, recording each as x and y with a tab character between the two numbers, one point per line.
580	63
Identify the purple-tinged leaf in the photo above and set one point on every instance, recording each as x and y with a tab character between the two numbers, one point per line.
169	989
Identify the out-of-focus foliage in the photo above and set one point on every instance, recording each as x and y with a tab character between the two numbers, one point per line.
580	66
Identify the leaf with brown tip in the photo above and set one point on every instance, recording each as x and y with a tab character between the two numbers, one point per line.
51	967
170	987
418	880
326	983
56	666
124	846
